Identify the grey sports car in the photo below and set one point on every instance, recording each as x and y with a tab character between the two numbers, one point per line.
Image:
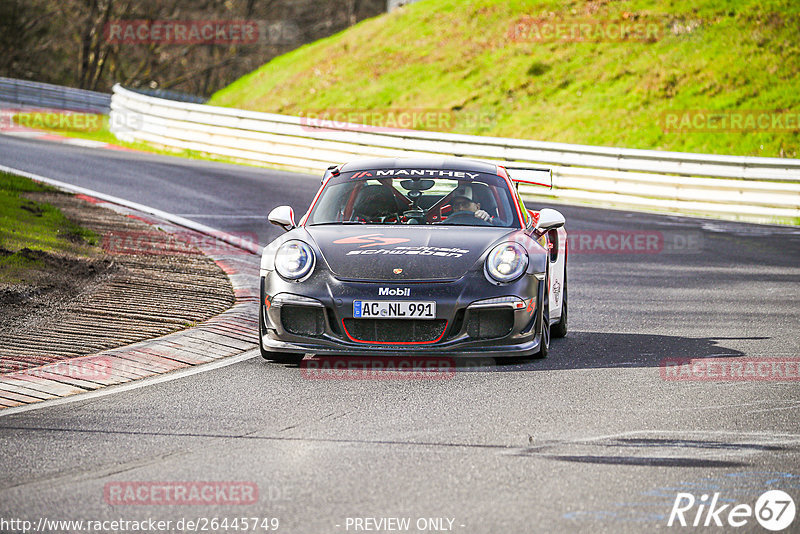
421	256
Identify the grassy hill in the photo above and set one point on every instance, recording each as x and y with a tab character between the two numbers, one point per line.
491	68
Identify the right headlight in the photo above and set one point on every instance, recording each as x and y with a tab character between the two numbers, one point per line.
294	260
507	262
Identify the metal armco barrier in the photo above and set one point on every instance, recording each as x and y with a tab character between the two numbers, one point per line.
734	187
25	94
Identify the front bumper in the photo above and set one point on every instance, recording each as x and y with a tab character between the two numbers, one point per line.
473	318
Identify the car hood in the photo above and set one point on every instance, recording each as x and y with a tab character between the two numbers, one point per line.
403	253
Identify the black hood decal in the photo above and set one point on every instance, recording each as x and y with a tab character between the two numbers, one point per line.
403	253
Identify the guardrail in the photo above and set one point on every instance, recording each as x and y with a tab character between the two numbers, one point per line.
170	95
737	187
23	93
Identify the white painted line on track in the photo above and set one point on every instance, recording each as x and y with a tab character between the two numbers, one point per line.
22	134
88	143
135	384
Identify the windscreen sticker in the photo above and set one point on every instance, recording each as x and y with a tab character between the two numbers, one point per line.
415	172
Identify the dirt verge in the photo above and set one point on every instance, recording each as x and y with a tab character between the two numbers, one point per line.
149	286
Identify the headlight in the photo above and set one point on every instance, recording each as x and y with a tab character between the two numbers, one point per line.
294	260
506	262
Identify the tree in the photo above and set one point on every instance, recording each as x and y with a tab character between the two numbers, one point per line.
66	42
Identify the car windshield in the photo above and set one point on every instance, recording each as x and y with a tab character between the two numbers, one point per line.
423	198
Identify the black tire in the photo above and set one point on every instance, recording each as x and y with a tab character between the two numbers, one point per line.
544	345
279	357
560	328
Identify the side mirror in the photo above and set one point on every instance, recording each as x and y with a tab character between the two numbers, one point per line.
282	216
550	219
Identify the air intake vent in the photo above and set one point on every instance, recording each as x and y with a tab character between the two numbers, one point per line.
303	320
490	323
398	331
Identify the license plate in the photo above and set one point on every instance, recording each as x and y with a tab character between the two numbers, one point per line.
401	309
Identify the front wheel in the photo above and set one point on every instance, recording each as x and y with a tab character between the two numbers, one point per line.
544	344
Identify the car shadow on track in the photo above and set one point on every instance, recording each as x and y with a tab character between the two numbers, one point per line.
594	350
579	350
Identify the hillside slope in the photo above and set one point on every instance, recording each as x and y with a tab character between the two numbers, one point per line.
490	67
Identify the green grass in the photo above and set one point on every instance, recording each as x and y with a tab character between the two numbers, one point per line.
100	133
455	57
27	226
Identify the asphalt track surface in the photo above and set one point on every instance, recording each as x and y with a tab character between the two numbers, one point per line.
594	438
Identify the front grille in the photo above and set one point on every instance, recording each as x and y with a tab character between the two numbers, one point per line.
306	321
395	330
490	323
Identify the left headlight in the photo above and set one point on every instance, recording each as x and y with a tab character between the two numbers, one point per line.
294	260
507	262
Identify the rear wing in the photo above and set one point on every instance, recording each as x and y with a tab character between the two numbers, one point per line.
531	176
